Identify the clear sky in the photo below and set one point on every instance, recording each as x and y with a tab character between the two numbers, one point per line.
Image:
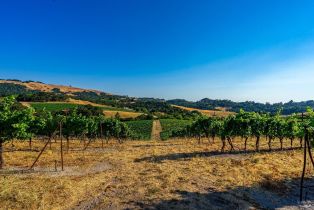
259	50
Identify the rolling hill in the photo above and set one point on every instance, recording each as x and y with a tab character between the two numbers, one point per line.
209	113
42	87
250	106
31	91
66	97
59	97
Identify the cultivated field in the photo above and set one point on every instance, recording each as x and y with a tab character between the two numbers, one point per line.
58	106
141	128
170	125
173	174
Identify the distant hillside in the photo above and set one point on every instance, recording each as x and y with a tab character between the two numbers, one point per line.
38	91
251	106
209	113
30	91
39	86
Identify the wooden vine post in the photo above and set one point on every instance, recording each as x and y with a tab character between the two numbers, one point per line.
41	152
306	151
61	144
102	140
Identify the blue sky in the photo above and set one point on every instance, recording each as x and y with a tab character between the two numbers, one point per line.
239	50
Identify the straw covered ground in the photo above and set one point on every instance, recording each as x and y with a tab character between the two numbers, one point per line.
173	174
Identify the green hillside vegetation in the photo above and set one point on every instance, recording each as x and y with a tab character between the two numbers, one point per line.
24	94
7	89
52	106
59	106
172	125
249	106
157	107
141	129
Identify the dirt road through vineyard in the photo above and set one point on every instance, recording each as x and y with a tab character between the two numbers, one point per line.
156	129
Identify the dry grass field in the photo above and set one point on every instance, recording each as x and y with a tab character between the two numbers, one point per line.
81	102
174	174
221	112
48	87
123	114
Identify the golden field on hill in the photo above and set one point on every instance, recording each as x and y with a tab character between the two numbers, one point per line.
210	113
177	174
49	87
123	114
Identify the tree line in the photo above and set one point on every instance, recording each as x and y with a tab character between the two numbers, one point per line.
251	125
249	106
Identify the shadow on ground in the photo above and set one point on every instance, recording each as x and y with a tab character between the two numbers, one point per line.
155	145
268	194
178	156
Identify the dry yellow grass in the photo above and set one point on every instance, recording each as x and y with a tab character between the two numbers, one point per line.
27	104
49	87
220	113
138	174
123	114
81	102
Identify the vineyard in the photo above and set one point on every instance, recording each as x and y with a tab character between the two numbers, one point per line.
78	153
59	106
89	123
156	105
52	106
141	129
251	125
169	126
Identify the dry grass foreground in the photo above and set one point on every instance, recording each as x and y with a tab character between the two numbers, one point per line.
174	174
221	112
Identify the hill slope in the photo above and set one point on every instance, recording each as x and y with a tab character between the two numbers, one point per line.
60	97
30	91
39	86
209	113
38	91
250	106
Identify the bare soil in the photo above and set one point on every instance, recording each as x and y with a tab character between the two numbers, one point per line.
156	129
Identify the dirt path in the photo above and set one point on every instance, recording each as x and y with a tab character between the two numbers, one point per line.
156	130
